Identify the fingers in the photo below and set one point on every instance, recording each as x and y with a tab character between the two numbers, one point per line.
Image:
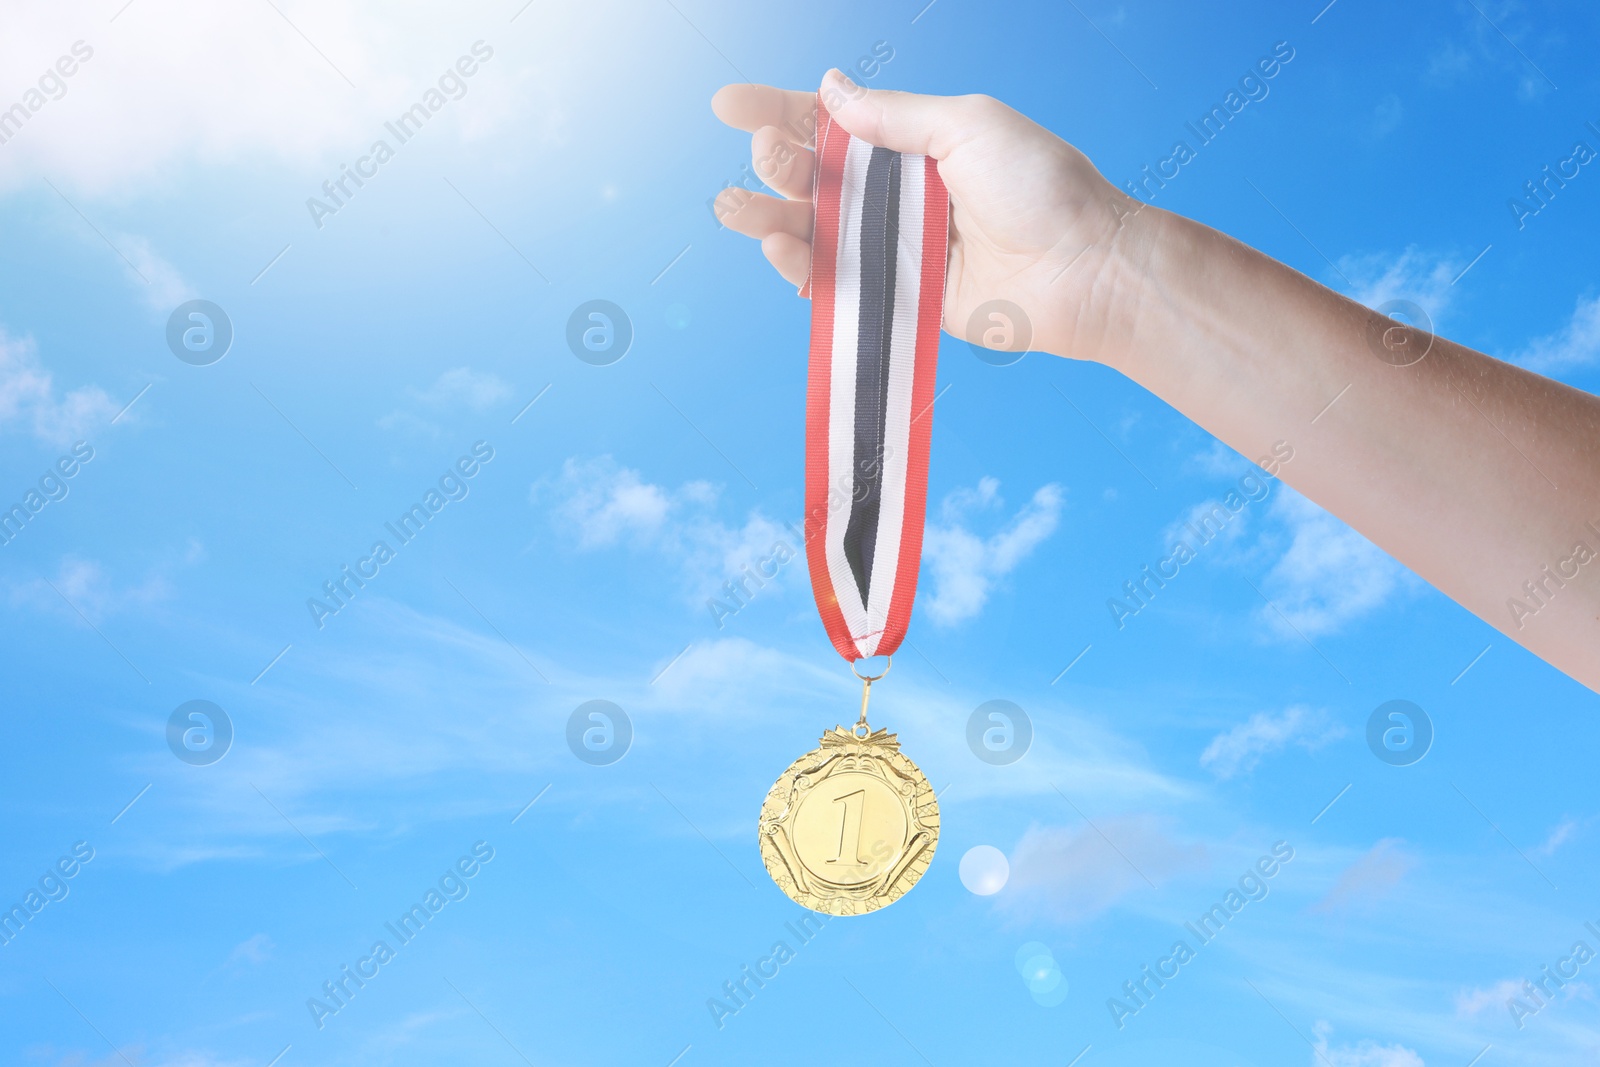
750	107
758	215
782	226
902	122
783	123
790	255
782	164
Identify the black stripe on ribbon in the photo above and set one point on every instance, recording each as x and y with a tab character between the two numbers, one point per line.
880	216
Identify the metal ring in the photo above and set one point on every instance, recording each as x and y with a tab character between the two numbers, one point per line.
861	731
873	677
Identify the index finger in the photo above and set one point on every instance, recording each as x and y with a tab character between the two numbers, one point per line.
750	107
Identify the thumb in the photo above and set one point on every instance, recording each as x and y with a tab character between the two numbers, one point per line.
901	122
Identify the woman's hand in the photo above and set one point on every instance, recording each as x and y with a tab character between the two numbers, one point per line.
1031	220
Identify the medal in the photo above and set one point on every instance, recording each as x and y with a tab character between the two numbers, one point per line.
852	825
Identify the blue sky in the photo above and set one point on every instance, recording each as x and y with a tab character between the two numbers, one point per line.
374	753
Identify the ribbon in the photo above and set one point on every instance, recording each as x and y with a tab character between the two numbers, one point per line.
878	251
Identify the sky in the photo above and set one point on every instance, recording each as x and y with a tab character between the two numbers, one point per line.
194	877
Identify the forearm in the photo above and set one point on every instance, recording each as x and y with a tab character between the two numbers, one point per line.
1458	449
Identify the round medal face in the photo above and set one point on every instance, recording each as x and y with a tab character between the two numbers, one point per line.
850	826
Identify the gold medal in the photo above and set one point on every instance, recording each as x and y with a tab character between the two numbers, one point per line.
851	825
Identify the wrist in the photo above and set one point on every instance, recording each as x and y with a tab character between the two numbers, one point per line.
1103	315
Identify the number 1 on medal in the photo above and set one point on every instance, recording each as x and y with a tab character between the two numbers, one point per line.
850	828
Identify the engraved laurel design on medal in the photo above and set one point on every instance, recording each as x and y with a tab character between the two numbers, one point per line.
851	825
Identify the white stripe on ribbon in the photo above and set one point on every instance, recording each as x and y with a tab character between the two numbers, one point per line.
842	383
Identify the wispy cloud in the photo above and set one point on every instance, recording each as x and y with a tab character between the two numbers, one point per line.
1329	575
964	566
1217	460
1363	1054
1071	874
90	589
1208	519
602	504
180	1058
1480	50
1577	344
127	122
257	949
29	398
1369	878
463	387
605	503
1422	278
457	389
1477	1001
158	281
1559	836
721	667
1240	749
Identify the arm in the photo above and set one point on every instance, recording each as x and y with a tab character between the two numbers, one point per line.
1479	476
1475	474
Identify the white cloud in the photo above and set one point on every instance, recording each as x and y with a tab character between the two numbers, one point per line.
89	589
459	388
114	123
1220	461
605	504
1071	874
1577	344
720	554
1480	50
1364	1054
1416	276
1498	997
1369	878
963	566
1329	575
409	422
1558	837
716	671
170	84
465	387
1238	750
1477	1001
28	395
161	285
1206	523
257	949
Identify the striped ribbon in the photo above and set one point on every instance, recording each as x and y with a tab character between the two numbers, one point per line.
877	293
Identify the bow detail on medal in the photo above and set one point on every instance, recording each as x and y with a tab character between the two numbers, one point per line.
879	244
841	736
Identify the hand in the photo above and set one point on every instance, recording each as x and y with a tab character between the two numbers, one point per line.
1031	220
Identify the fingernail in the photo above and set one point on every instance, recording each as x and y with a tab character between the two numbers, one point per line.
840	75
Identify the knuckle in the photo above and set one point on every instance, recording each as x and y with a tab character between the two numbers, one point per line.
981	105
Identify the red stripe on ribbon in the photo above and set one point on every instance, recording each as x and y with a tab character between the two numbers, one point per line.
832	141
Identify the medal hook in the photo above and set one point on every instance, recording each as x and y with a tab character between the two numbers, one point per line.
861	729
